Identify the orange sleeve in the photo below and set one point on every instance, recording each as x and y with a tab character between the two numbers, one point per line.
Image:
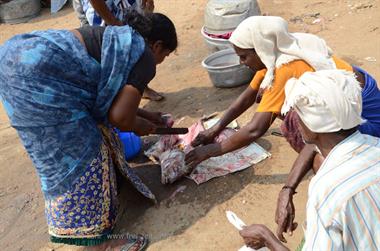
342	65
257	79
273	98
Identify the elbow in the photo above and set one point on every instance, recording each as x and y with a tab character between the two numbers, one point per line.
120	122
255	133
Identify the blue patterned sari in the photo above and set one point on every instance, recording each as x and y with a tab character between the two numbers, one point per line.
57	98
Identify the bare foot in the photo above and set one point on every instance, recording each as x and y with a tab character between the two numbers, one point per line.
152	95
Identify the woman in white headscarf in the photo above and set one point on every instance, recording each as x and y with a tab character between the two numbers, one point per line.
264	44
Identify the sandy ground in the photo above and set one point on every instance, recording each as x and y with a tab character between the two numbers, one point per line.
195	219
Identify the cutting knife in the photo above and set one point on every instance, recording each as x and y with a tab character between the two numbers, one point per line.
168	130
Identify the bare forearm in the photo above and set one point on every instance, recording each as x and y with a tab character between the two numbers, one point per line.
245	100
246	135
138	124
273	243
301	166
259	235
240	139
143	113
102	9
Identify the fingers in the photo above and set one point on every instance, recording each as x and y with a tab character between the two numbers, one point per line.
282	224
280	234
192	163
252	236
197	141
281	220
255	244
290	223
190	157
294	227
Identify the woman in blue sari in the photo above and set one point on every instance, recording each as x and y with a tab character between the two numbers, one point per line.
64	92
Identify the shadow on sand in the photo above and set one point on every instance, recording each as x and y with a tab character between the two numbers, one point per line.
198	101
137	212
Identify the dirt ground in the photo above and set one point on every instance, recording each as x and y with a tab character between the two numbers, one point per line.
194	219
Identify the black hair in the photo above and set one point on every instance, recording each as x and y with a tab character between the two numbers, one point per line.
163	30
153	27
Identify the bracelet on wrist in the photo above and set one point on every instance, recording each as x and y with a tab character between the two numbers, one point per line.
289	188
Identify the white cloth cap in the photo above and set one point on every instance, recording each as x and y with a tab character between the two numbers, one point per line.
326	101
275	46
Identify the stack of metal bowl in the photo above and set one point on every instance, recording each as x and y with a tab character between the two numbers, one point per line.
221	19
215	44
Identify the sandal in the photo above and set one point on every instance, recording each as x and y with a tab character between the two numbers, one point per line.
135	244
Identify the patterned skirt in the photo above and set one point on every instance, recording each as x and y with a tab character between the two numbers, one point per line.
85	215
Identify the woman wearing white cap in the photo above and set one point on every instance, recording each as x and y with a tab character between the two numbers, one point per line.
264	43
344	196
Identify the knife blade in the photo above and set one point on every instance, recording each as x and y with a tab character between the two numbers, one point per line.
168	130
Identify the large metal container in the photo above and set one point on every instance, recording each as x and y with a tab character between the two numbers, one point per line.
222	16
225	70
19	11
215	44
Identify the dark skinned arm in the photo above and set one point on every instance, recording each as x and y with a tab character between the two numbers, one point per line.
257	236
302	165
154	117
259	124
123	112
143	113
101	8
244	101
285	212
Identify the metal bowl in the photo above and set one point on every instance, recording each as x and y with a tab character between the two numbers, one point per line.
225	70
215	44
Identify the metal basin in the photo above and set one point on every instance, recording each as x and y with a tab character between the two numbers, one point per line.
225	70
19	11
215	44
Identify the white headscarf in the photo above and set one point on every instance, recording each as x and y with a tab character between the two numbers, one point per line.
275	46
326	101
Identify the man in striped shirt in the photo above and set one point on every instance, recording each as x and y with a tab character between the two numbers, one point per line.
343	208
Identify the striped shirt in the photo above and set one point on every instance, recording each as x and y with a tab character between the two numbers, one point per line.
117	7
343	209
